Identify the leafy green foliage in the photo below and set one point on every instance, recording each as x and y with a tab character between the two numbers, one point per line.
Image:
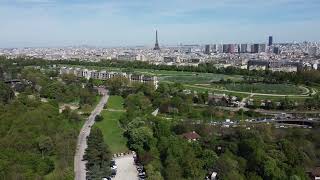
32	135
98	118
97	155
6	94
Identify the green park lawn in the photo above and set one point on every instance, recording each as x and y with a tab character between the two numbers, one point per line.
244	88
265	88
115	102
110	126
177	76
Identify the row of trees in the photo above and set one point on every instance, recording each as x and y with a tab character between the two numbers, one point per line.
97	155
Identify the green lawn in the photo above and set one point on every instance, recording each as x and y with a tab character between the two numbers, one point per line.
265	88
112	133
176	76
110	127
199	78
115	102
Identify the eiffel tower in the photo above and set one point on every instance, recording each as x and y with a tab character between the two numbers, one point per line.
156	46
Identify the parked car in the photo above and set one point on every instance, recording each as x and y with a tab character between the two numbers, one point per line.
113	173
113	162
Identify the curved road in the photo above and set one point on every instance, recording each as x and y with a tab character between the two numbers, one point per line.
79	164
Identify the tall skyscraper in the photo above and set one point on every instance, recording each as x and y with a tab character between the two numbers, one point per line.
243	48
232	48
156	46
214	48
270	41
225	48
229	48
262	48
255	48
207	49
276	50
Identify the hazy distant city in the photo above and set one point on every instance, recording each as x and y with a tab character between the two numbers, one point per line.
280	56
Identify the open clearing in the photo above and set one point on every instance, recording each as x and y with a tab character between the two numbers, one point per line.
115	102
110	126
262	88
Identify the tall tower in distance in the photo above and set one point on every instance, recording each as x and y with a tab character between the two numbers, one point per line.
270	41
207	49
156	46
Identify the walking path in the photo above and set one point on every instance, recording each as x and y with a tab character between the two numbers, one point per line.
79	164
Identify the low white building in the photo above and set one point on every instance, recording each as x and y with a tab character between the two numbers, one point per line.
104	75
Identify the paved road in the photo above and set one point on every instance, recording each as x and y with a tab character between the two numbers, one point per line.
79	165
126	168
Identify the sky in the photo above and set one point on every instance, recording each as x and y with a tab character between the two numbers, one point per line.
110	23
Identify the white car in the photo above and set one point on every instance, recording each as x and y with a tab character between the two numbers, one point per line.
114	167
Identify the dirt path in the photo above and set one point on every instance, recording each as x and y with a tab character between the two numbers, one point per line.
126	168
79	164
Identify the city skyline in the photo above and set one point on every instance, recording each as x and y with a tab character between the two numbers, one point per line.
48	23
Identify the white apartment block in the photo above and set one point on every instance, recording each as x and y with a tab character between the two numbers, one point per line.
104	75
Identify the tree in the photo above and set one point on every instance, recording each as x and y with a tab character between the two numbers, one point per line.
86	97
271	170
137	104
45	145
98	118
226	163
141	139
173	170
69	78
209	159
97	155
153	174
117	84
6	94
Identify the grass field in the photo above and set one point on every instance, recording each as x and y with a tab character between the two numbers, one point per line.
201	78
115	102
110	127
281	89
177	76
265	88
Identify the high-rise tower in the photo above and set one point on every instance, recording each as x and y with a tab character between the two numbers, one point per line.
207	49
156	46
270	41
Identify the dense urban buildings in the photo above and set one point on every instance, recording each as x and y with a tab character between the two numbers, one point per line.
222	55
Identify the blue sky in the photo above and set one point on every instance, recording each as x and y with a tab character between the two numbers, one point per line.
133	22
